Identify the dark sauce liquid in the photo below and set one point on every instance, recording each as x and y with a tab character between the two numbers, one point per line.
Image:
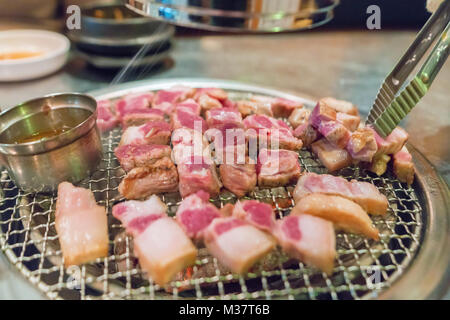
44	125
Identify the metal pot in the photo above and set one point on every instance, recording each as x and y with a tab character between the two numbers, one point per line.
70	155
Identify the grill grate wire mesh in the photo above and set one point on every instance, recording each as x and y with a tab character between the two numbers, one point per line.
362	269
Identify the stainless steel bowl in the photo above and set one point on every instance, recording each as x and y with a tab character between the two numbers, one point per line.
70	155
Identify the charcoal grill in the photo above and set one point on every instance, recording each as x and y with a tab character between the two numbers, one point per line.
410	260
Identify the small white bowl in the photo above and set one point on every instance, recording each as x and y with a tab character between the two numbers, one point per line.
52	47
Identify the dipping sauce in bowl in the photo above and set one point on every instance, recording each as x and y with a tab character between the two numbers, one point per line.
19	55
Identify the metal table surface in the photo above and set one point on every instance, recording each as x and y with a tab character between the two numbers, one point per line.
346	64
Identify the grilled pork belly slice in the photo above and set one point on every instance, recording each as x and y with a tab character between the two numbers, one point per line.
215	93
236	244
277	167
163	249
269	130
238	178
258	214
198	173
331	156
134	101
81	225
189	105
281	108
137	117
140	155
393	143
230	144
187	143
224	118
154	132
362	145
403	166
195	213
340	105
247	107
106	119
185	118
165	100
307	134
351	122
309	239
299	116
142	182
363	193
345	214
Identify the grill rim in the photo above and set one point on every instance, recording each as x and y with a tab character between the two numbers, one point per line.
435	202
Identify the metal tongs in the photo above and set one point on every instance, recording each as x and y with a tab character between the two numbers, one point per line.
389	108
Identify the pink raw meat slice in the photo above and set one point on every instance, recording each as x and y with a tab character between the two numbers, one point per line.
256	213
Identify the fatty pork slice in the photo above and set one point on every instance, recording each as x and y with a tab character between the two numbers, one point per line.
163	249
81	225
363	193
189	105
211	98
165	100
236	244
198	173
134	101
299	116
239	178
133	214
106	119
195	213
154	132
131	156
258	214
137	117
403	166
183	118
351	122
331	156
345	214
309	239
307	134
393	143
323	118
224	118
269	131
277	167
247	107
230	144
141	182
340	105
362	145
281	108
187	143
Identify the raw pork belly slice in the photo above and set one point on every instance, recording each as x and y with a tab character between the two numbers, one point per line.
323	118
142	182
135	214
246	108
393	143
215	93
351	122
81	225
106	119
277	167
236	244
198	173
307	134
331	156
267	129
224	118
187	143
137	117
239	178
281	108
309	239
230	144
166	99
189	105
134	101
163	249
195	213
211	98
340	105
403	166
344	213
256	213
299	116
362	145
363	193
140	155
154	132
182	118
